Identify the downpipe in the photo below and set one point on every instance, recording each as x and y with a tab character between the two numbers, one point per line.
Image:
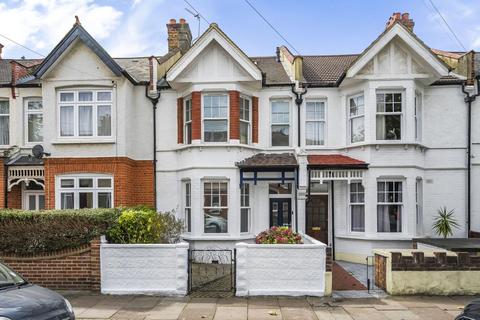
154	100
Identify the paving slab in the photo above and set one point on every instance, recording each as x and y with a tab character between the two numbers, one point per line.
264	314
332	313
364	313
199	308
144	302
129	315
303	313
293	302
400	315
431	313
233	302
231	313
262	303
166	311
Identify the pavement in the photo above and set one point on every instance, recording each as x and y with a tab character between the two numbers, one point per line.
96	306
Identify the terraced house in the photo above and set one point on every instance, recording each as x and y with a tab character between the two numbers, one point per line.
358	151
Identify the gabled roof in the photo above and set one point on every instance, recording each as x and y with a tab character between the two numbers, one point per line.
415	43
79	33
214	33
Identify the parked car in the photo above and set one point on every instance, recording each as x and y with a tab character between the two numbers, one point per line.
471	311
214	223
21	300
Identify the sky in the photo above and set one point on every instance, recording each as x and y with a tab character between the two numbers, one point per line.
129	28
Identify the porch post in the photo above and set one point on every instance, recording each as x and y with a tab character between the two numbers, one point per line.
302	189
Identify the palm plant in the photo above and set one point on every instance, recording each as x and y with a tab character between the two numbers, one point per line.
444	223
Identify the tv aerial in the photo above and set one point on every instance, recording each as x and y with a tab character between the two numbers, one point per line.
196	15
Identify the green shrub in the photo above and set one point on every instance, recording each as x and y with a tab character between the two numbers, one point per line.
278	235
32	232
144	225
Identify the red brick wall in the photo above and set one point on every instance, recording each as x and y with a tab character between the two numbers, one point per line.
2	183
15	197
255	119
234	97
133	179
180	120
196	116
74	269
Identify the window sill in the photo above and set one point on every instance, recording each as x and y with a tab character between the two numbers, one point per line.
219	237
379	237
216	145
83	141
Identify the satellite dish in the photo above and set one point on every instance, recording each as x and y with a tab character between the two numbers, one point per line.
38	151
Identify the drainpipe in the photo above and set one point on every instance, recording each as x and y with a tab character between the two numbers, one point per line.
154	100
298	102
469	99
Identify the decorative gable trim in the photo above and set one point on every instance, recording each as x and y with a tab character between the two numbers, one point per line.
78	32
214	33
398	30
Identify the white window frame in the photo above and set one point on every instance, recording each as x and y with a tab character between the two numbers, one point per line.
219	207
248	121
324	121
352	204
187	101
9	124
245	207
393	113
76	188
227	117
418	110
401	204
94	104
28	112
27	193
289	124
351	118
187	204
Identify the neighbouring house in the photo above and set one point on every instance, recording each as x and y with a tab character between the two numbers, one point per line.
357	151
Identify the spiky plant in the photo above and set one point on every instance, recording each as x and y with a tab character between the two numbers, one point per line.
444	222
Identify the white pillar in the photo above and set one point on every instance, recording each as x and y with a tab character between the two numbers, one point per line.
302	185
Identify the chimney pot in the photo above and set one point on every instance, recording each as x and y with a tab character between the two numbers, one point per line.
404	18
182	21
173	21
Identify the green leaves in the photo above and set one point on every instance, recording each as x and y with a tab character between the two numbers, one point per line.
445	222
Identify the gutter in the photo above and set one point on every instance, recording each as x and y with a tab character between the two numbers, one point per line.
469	99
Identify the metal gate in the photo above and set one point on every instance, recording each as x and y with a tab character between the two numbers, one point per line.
211	270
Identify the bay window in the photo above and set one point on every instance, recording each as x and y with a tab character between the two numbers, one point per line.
389	206
4	122
34	120
188	121
389	116
315	123
85	191
85	113
245	208
357	207
244	120
188	206
357	118
215	206
418	117
215	118
280	123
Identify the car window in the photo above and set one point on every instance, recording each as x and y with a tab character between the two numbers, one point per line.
8	277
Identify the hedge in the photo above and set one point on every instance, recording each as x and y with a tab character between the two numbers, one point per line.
33	232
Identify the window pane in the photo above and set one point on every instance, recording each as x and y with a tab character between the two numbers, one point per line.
32	202
388	127
34	105
85	118
188	133
104	96
244	132
314	133
4	107
85	200
315	110
35	128
278	188
389	218
4	130
244	109
280	135
358	218
245	195
215	220
66	96
215	106
41	202
104	183
280	112
188	219
215	130
66	121
244	219
67	183
104	121
85	96
104	200
357	129
66	200
86	183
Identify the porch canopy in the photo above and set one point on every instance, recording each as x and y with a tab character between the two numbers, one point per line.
281	163
25	168
335	167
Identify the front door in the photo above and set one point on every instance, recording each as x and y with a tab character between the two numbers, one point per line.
281	212
317	217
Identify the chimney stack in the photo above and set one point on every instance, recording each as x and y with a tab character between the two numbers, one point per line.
403	18
179	35
1	47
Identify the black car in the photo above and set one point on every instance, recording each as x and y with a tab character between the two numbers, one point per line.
21	300
471	311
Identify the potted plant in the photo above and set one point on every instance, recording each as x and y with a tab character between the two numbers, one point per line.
444	222
278	235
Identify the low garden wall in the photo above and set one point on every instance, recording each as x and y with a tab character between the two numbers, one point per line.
67	269
144	268
429	272
282	269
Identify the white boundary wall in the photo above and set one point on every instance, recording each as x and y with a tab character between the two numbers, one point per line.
144	268
281	269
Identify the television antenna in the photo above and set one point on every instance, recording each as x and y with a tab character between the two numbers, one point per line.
196	15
